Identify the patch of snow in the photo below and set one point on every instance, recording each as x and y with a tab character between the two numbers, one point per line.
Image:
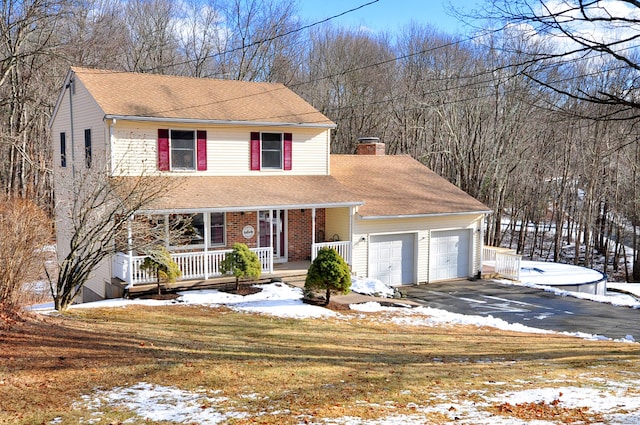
161	403
369	286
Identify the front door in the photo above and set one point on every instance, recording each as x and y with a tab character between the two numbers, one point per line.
272	227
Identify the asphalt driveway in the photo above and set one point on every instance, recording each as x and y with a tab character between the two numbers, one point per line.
528	306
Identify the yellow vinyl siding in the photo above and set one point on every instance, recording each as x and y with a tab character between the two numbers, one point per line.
422	228
337	223
228	151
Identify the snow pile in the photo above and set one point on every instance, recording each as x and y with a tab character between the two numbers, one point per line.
275	299
368	286
427	316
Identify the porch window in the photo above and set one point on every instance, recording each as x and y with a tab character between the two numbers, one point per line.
217	229
190	227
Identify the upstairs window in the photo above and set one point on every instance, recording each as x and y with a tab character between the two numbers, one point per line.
63	149
182	150
271	151
87	148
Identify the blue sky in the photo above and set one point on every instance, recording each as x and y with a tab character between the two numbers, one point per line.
387	14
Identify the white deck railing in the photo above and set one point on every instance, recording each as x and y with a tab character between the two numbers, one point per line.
193	265
343	248
489	252
508	265
505	260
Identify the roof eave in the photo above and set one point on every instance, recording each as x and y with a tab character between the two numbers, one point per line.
219	122
400	216
249	208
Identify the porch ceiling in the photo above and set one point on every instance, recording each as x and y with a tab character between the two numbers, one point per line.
254	192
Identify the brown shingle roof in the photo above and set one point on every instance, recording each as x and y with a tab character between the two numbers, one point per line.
160	96
251	192
398	185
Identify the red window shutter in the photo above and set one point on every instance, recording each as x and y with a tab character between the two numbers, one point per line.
202	150
287	150
255	151
163	149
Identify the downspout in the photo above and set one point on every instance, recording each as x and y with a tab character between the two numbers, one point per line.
111	147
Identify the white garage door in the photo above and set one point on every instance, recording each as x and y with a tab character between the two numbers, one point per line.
449	255
391	259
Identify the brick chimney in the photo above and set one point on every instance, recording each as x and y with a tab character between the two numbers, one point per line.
370	146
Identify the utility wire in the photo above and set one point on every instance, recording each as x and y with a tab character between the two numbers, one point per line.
268	39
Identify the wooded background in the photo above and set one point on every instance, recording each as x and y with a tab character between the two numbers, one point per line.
546	141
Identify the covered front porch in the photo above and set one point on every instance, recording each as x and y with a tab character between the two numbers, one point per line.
202	266
282	218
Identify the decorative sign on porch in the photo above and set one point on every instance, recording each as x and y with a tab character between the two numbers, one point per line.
248	231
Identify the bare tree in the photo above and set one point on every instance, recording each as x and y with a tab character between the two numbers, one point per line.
599	36
99	210
26	47
152	37
350	79
260	36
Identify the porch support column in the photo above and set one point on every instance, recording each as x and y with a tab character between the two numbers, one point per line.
351	214
130	252
313	225
313	233
207	238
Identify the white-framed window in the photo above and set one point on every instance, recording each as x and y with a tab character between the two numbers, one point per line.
271	151
193	229
183	149
217	229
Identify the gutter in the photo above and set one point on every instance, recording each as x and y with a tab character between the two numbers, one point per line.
247	208
391	217
218	122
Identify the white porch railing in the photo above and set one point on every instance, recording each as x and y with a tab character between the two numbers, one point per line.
343	248
506	262
194	265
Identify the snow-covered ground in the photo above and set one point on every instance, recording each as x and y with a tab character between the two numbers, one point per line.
618	402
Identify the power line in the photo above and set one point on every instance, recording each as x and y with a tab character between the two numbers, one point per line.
268	39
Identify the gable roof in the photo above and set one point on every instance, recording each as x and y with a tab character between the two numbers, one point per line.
171	98
400	186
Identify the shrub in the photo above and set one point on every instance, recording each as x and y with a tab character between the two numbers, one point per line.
242	263
24	230
328	272
159	262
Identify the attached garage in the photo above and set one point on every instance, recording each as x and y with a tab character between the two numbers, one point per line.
449	255
391	258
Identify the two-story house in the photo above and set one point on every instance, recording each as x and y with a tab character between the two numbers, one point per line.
252	164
